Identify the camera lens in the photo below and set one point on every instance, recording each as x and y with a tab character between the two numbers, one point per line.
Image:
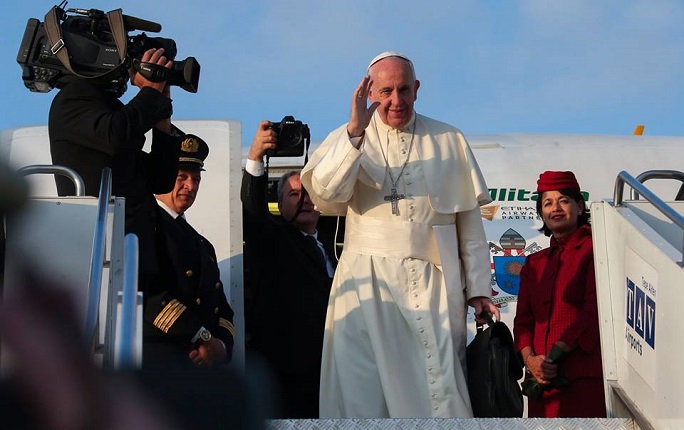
290	136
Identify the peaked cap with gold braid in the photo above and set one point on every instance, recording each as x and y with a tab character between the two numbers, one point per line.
193	152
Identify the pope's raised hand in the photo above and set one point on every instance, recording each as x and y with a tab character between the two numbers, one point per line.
361	113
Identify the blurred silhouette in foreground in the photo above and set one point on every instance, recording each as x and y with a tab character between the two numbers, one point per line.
49	380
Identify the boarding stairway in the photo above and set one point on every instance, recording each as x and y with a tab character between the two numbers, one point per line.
78	243
638	244
639	253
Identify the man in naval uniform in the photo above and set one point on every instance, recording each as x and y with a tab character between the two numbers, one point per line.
415	254
187	316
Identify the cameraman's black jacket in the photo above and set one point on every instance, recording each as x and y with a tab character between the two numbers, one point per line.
289	289
90	128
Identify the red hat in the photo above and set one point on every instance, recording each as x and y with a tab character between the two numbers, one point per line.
554	181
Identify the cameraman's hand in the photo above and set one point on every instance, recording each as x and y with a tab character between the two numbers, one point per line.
264	139
155	56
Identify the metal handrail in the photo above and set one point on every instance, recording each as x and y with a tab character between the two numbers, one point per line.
624	177
56	170
97	258
126	354
659	174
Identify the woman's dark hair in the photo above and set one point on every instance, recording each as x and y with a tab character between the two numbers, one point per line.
576	195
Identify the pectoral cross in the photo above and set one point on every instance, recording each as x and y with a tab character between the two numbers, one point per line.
394	198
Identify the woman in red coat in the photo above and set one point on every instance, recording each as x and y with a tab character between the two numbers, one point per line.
556	325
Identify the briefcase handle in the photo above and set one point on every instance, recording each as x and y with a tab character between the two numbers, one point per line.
490	322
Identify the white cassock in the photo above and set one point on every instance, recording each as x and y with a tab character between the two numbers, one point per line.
395	332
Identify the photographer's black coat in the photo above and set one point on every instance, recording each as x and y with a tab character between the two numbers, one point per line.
290	289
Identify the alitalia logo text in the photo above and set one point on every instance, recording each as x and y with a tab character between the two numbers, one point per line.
519	195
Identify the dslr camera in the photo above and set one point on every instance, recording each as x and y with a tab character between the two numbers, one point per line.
89	40
293	138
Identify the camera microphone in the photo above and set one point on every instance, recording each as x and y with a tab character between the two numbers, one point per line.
133	23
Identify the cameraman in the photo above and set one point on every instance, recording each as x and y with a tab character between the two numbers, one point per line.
90	128
289	273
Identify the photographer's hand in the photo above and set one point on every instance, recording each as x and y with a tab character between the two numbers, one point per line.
264	139
361	113
154	56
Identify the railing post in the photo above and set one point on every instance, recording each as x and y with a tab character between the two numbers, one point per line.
126	354
97	259
56	170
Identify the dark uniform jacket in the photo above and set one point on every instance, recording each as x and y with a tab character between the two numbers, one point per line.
90	128
186	295
290	289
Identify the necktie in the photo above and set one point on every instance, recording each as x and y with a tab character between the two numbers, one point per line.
182	222
313	245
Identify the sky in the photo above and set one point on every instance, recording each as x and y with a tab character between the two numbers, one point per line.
485	66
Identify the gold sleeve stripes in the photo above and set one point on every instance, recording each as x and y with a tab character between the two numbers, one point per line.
227	325
168	316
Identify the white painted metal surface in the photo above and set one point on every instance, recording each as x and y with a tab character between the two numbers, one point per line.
639	289
53	237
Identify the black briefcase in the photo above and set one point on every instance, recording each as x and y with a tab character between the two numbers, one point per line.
493	373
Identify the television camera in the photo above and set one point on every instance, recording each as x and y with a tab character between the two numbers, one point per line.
91	44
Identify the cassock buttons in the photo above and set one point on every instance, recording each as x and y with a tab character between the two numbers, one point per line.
198	301
188	273
216	311
218	285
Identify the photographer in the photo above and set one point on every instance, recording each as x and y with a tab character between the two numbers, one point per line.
289	272
90	128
